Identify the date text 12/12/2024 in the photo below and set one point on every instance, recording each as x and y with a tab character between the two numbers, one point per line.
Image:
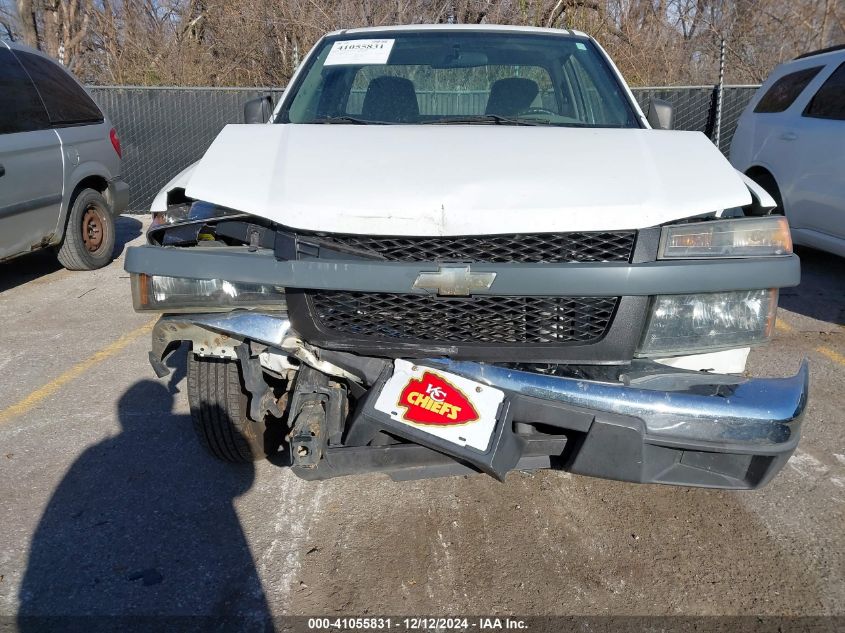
416	624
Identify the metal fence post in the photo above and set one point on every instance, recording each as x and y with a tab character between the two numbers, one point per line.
717	132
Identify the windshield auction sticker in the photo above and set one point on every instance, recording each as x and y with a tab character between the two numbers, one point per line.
354	52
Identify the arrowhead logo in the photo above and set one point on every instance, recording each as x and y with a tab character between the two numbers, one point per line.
435	401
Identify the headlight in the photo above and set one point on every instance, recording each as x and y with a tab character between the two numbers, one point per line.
741	237
154	293
689	324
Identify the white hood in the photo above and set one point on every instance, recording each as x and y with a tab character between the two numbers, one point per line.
464	179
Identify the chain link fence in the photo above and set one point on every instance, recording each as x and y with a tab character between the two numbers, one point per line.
163	130
695	107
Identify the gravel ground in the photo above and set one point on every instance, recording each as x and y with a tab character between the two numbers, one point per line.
109	507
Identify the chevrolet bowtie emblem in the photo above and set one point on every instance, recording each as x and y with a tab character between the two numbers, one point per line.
454	281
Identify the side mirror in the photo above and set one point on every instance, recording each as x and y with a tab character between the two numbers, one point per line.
659	114
258	110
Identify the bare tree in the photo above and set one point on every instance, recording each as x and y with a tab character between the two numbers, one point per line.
27	22
207	42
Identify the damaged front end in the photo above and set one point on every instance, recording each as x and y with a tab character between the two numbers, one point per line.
398	355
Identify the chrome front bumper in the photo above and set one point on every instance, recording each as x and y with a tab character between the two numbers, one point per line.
697	429
759	413
686	428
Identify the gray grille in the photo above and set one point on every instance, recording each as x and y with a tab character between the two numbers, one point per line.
484	319
528	248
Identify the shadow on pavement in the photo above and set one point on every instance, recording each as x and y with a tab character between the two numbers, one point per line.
821	294
143	524
21	270
128	228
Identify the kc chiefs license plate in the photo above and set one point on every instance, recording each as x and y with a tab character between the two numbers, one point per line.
450	407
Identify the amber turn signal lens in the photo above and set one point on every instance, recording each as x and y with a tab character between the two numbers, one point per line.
741	237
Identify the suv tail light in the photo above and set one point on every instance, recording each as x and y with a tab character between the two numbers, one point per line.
115	142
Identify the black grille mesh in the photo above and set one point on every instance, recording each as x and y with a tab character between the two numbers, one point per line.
482	319
528	248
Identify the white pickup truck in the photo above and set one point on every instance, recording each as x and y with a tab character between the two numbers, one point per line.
454	249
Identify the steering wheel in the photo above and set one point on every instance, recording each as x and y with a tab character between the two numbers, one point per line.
538	111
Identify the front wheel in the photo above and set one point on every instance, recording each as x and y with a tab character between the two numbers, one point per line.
219	405
89	237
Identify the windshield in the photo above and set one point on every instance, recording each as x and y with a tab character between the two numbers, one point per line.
458	77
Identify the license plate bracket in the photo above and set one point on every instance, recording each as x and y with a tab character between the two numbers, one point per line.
488	442
448	406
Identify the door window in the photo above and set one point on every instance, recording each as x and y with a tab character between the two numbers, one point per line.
21	109
66	101
829	101
590	97
785	90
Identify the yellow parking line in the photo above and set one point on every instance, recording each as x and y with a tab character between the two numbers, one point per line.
783	326
836	357
74	372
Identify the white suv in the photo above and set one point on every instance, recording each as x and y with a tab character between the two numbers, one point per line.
791	140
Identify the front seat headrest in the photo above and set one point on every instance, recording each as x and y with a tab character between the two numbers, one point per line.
391	99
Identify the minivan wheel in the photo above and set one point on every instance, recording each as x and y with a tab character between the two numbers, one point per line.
89	237
219	405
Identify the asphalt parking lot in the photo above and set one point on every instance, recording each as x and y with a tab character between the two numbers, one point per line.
110	507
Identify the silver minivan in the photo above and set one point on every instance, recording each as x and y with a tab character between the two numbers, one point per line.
60	184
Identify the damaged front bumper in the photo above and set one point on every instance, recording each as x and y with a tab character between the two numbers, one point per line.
691	429
673	427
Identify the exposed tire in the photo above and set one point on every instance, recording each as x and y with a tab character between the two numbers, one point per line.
89	236
219	408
